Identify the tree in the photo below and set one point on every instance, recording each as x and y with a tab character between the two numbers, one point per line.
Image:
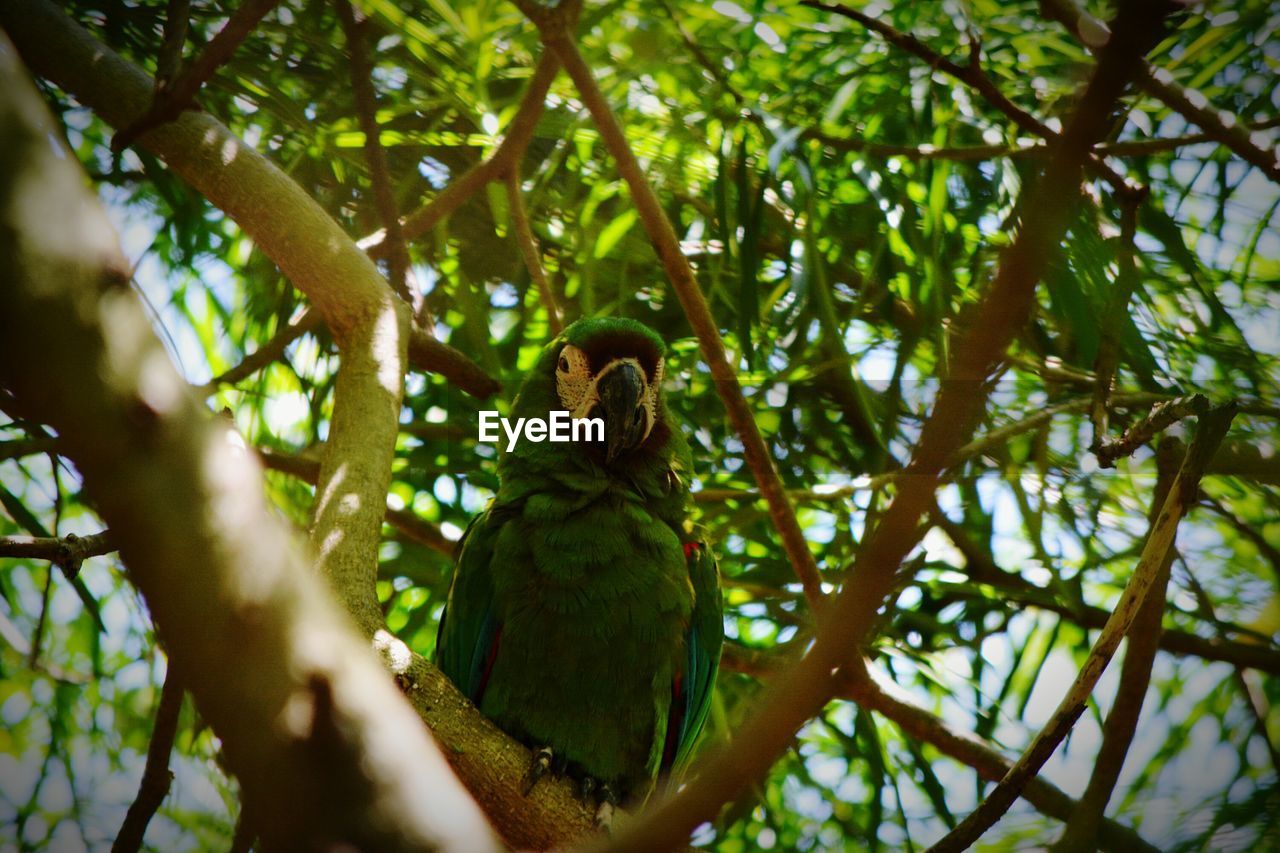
972	317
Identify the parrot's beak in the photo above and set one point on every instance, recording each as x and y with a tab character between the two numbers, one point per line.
621	392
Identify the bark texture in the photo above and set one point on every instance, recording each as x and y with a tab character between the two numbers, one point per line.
326	749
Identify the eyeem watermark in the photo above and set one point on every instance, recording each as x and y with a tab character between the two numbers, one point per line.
560	427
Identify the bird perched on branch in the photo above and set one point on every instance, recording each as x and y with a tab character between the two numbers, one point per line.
585	614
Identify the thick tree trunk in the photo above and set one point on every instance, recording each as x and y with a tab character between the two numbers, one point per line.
325	747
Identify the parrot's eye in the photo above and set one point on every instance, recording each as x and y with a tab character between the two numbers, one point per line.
563	366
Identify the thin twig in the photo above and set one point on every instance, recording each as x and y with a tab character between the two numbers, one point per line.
529	249
973	76
1213	426
961	153
1221	127
172	100
519	134
175	38
1143	147
37	634
968	749
12	634
925	151
1252	532
1017	590
1001	435
271	351
156	776
366	101
1256	703
430	355
18	448
979	348
1224	128
67	552
406	521
667	245
1162	416
716	72
1081	833
875	693
1104	365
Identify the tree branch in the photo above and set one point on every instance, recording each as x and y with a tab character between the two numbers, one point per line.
529	249
1161	417
973	76
1220	127
1182	495
667	245
318	736
268	353
288	225
169	59
407	522
1081	833
156	776
470	182
864	685
67	552
1017	590
968	749
172	98
18	448
492	763
428	354
366	100
369	323
982	340
1223	128
1108	357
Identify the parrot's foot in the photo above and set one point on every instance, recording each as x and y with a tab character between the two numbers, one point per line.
608	805
543	758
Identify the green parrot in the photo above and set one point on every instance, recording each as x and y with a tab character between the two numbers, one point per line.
585	615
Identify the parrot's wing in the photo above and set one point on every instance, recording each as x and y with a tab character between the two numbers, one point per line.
691	694
469	635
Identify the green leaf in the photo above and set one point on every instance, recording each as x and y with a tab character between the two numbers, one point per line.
614	231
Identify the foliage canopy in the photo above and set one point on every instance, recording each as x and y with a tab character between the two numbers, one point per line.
844	204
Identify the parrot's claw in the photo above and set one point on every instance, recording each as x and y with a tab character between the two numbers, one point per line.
542	761
586	787
605	810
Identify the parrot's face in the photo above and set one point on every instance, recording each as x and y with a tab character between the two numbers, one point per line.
615	379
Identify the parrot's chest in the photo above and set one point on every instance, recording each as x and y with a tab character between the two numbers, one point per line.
594	609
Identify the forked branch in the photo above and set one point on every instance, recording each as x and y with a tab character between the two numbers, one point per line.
470	182
172	97
982	340
156	776
558	38
1081	833
1155	553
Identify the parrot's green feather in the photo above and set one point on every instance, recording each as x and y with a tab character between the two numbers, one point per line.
585	612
